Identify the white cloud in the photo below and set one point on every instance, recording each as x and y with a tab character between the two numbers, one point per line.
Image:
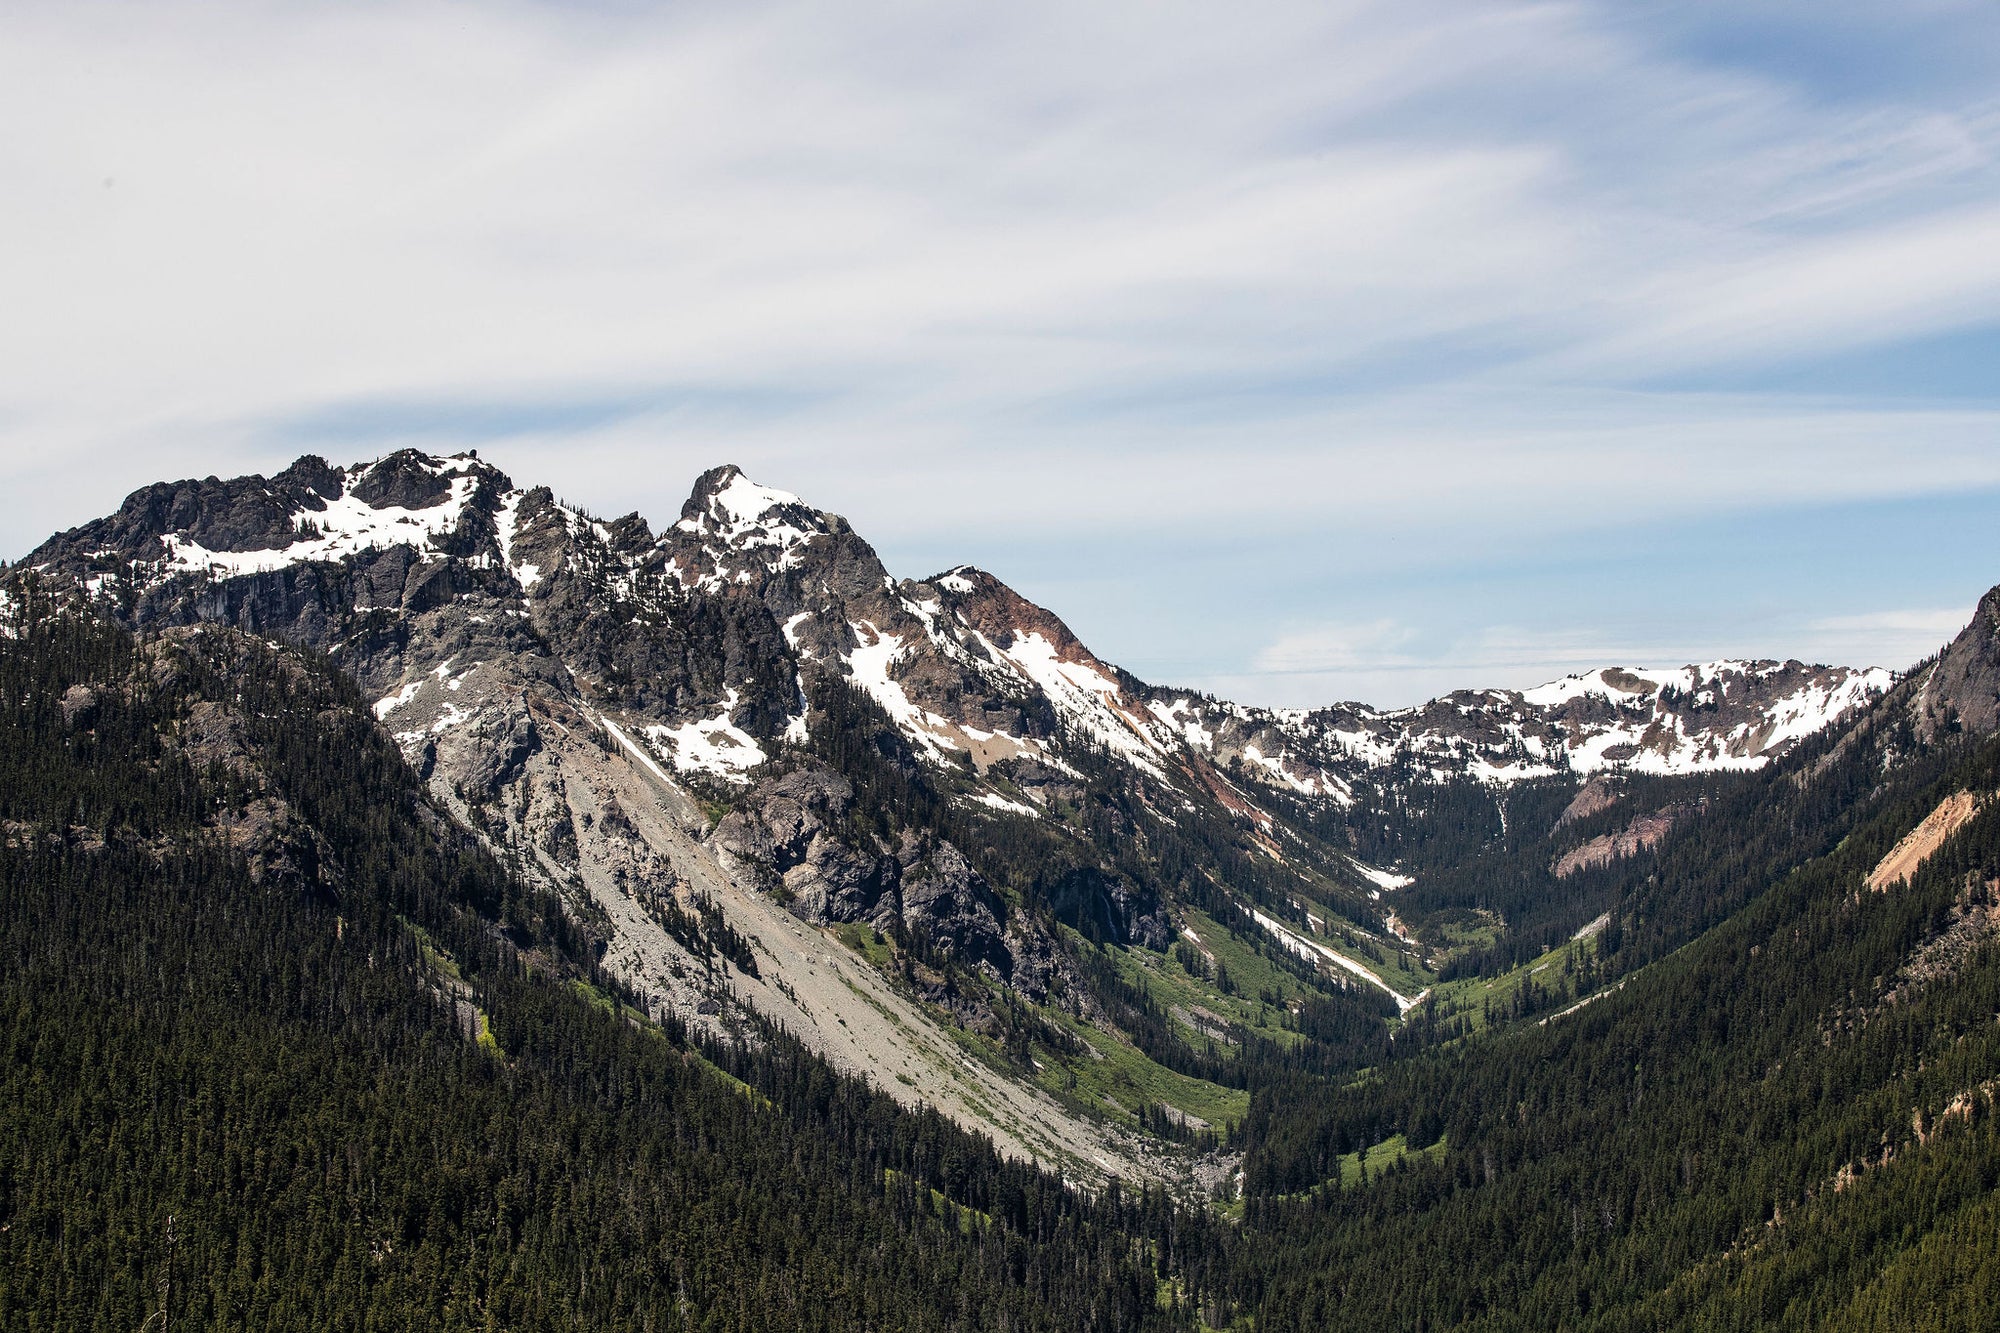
1895	639
232	213
1926	275
1388	664
1323	649
1018	271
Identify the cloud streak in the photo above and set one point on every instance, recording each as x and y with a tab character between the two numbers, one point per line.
1390	664
963	272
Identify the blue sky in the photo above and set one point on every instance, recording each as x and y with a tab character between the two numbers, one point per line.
1299	352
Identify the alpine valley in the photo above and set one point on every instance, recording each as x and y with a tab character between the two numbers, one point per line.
430	905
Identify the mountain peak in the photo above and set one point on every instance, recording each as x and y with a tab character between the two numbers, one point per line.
968	661
963	580
729	511
412	479
1962	690
729	493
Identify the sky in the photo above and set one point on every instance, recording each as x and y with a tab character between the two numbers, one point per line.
1298	352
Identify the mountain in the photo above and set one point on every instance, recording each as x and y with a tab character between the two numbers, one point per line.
1780	1115
287	1049
963	663
734	743
451	909
1961	690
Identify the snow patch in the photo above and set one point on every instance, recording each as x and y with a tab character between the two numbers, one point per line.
636	750
1083	697
1313	949
347	526
1189	728
868	665
1593	926
505	521
746	515
716	746
389	703
996	801
744	501
452	716
1558	692
1386	879
1319	784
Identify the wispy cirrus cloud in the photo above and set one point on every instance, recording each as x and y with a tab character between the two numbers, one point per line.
1420	278
1894	639
1374	646
1388	663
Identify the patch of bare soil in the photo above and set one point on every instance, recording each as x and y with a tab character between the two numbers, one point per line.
1916	847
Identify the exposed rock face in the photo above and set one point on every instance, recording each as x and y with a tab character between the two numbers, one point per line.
489	753
1102	907
220	515
1963	689
791	834
1918	845
79	705
1595	796
404	480
1642	833
1972	922
950	911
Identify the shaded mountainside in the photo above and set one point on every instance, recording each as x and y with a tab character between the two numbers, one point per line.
1962	689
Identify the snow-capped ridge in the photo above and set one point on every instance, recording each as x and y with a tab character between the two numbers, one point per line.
349	521
964	665
739	523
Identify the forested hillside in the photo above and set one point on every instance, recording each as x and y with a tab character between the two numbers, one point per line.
1788	1123
289	1045
284	1050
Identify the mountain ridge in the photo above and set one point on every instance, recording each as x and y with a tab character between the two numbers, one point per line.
730	811
744	717
1585	723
